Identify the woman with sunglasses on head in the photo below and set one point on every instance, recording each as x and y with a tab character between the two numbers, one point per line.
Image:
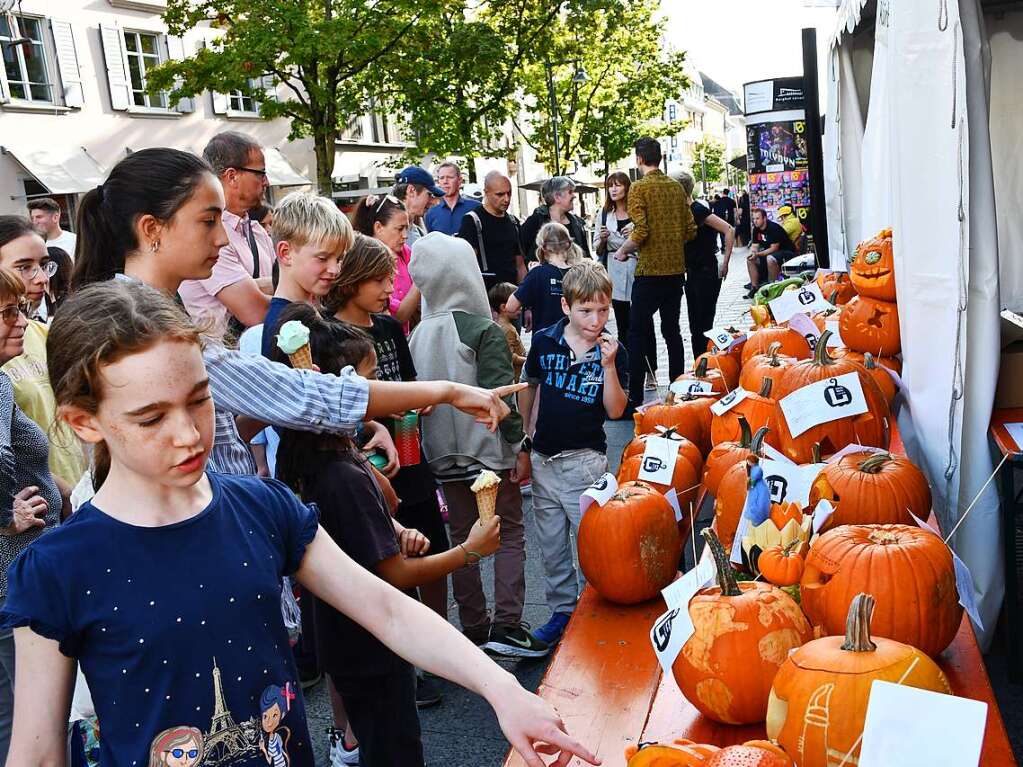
23	252
29	499
385	219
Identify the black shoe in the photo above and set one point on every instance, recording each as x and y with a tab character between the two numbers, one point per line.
427	693
747	286
515	641
752	292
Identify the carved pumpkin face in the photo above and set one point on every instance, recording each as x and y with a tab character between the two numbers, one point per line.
872	268
869	325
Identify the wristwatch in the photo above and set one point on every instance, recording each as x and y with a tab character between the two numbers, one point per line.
526	446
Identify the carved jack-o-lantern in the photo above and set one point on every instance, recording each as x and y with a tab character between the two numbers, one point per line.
869	325
872	267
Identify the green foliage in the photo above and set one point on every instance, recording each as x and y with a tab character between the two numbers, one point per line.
708	155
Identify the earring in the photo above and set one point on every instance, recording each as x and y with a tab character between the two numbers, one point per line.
154	246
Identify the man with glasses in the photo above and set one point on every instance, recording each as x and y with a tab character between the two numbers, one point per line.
237	295
447	215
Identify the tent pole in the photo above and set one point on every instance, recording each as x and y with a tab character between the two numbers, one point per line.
815	148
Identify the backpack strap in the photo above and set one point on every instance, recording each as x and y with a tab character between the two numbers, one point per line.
479	238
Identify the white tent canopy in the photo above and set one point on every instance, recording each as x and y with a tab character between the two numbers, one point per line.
67	170
922	138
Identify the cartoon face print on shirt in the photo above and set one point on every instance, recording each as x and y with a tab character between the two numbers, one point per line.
176	747
274	704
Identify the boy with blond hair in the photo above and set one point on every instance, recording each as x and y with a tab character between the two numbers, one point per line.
581	376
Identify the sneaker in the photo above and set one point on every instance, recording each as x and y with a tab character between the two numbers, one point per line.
515	641
427	693
340	754
479	635
550	632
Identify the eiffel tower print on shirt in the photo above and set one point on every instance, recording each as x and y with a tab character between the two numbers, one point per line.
226	741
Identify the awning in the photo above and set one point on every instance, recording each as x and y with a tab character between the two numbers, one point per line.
61	171
351	165
280	172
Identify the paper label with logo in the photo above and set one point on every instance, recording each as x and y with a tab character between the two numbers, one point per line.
824	401
790	482
964	578
910	727
836	336
658	462
821	512
680	388
807	328
673	629
806	300
721	337
730	400
599	492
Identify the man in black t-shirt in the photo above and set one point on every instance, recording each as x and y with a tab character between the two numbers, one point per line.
724	208
770	248
494	233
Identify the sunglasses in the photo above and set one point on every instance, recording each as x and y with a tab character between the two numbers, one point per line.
257	171
177	753
388	198
9	314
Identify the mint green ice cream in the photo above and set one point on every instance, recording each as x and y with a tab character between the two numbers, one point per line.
292	336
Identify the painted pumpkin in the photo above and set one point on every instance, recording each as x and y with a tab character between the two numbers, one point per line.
752	754
702	373
908	568
725	362
781	565
629	548
680	753
769	365
869	325
870	428
742	635
837	287
759	410
724	455
686	447
685	477
872	489
689	416
792	343
872	267
818	702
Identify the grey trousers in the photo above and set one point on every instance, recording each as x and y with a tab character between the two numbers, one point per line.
6	693
558	481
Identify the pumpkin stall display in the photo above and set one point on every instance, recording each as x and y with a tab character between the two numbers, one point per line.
818	702
759	409
872	268
837	287
869	325
759	342
742	635
724	455
629	547
870	428
909	571
702	374
686	446
685	477
687	414
872	488
767	366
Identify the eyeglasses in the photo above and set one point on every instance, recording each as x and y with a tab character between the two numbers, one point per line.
9	314
257	171
28	271
177	753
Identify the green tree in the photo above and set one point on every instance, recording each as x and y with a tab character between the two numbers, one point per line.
628	77
326	55
708	161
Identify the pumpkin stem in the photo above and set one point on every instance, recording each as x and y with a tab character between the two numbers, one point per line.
756	446
791	547
857	625
875	463
772	352
820	353
746	435
765	387
726	575
834	298
815	452
701	368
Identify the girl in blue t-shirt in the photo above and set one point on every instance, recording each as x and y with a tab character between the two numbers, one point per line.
540	292
165	587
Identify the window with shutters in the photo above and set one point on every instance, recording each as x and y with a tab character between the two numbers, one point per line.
25	72
246	104
144	52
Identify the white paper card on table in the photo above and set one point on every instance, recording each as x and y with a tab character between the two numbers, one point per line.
790	482
672	498
964	578
730	400
721	337
854	449
821	512
836	336
1016	432
775	455
824	401
807	328
672	630
806	300
658	462
599	492
678	388
910	727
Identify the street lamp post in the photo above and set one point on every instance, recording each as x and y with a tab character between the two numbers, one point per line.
577	79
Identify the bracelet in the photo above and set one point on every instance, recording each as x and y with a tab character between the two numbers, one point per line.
469	562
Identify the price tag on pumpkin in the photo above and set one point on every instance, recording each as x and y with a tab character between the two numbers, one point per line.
964	578
658	464
673	629
910	727
790	482
699	388
599	492
806	300
721	338
730	400
836	336
807	328
824	401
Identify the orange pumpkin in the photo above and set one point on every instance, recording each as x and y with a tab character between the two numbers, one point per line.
742	634
781	565
703	373
759	410
836	287
685	477
750	754
681	753
892	363
688	415
725	362
792	343
629	548
870	428
686	447
724	455
881	377
908	568
869	325
770	365
872	489
731	495
822	318
819	698
872	268
783	513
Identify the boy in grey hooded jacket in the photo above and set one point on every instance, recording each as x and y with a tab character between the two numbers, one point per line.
458	341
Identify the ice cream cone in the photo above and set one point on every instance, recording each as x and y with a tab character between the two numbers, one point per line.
486	503
302	359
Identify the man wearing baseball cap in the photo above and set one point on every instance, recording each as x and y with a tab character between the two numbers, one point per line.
790	223
415	187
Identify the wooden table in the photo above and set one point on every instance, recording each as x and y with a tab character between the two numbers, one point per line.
1011	512
607	685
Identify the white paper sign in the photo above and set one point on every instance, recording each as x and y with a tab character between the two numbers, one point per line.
964	578
1016	432
740	532
672	497
821	512
848	449
824	401
679	388
807	328
805	300
836	336
658	462
599	492
910	727
730	400
774	454
789	482
672	630
721	337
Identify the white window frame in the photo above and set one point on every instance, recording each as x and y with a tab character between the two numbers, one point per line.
161	57
236	101
5	88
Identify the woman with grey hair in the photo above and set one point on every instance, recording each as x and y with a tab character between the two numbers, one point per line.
703	273
558	203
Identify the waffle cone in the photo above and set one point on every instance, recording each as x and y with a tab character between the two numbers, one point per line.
486	503
302	359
